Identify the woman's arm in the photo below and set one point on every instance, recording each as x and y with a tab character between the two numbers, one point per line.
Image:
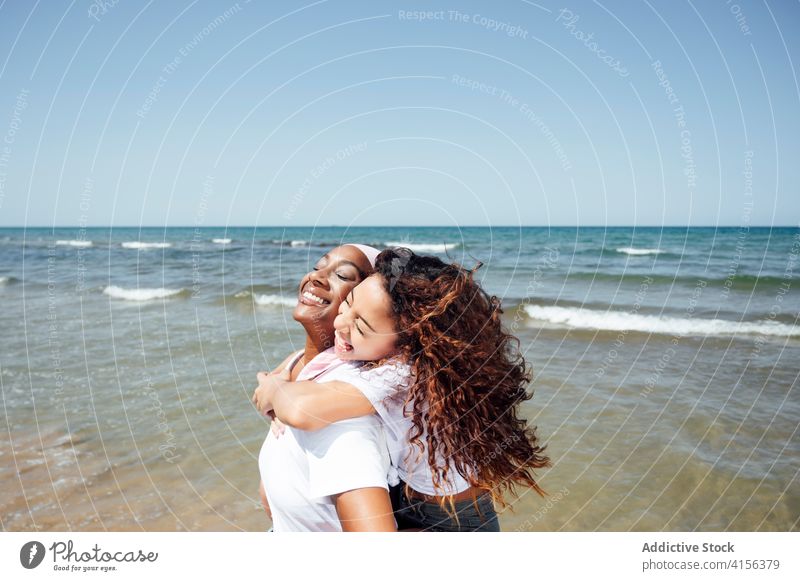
365	510
264	502
275	422
307	405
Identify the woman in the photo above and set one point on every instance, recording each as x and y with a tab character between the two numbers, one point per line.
460	411
321	292
349	489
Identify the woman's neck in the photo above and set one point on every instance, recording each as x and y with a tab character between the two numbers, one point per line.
313	348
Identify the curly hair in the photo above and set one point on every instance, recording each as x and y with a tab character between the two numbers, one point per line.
469	375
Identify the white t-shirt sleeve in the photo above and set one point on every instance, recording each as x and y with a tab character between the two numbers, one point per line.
345	456
384	387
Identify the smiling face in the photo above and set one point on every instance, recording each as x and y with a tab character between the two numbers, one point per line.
322	290
365	329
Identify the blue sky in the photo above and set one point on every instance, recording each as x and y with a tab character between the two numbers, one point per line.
369	113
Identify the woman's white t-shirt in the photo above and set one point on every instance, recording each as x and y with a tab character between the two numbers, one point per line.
302	471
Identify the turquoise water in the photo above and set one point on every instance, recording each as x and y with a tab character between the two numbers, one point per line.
665	364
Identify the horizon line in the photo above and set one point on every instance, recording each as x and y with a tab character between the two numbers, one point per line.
416	226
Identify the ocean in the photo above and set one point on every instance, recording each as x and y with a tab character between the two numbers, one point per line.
665	364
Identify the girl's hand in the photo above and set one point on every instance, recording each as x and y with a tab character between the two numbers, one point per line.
262	394
267	385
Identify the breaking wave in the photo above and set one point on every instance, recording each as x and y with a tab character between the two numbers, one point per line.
579	318
145	245
142	294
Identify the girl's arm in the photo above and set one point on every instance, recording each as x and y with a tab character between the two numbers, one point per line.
276	425
365	510
307	405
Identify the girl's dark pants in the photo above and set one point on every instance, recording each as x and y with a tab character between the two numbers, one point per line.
473	515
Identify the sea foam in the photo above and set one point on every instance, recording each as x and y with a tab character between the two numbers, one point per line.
145	245
639	251
221	240
76	243
620	321
141	294
425	246
274	301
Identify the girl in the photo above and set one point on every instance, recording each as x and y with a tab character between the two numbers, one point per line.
453	431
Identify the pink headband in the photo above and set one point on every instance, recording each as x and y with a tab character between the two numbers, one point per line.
368	251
